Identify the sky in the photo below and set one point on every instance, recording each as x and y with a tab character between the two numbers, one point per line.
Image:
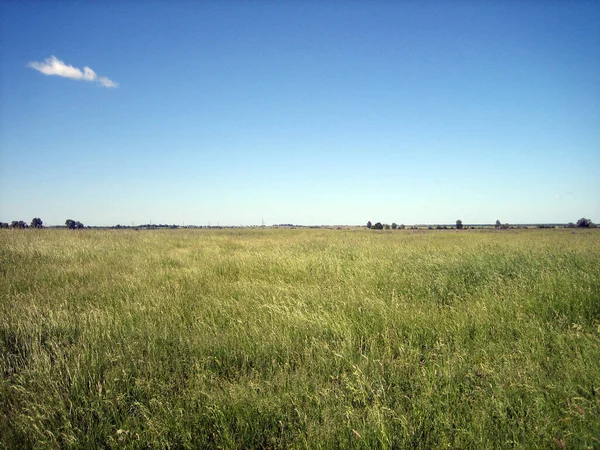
307	112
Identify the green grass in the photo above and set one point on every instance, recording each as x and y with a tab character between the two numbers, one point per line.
299	339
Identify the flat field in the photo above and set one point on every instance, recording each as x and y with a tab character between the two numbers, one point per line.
297	338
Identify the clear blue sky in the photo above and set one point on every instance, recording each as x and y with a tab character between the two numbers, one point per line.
302	112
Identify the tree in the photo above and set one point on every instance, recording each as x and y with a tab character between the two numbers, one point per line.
18	224
369	224
394	225
459	225
37	223
73	225
377	226
571	225
387	227
498	224
584	223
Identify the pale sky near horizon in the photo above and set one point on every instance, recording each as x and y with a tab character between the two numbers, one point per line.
299	112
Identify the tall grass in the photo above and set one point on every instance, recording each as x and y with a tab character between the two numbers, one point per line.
299	339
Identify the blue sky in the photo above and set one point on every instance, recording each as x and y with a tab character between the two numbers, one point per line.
299	112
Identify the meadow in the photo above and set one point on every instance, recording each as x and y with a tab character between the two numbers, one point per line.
300	338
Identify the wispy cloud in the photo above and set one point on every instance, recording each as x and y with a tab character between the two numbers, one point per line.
54	66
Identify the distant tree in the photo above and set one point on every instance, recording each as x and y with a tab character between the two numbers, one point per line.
18	224
459	225
571	225
584	223
498	224
377	226
37	223
401	227
386	226
394	225
73	225
4	225
369	224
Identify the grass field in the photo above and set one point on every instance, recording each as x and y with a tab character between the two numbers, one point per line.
300	339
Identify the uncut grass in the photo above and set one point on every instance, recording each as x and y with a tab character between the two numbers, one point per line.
299	339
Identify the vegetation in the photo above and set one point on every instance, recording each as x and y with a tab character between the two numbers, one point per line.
37	223
18	224
459	225
299	339
74	225
584	223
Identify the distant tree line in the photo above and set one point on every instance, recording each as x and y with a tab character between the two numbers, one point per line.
71	224
381	226
36	222
581	223
153	226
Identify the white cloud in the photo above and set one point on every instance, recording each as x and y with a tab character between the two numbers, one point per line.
88	74
107	83
54	66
